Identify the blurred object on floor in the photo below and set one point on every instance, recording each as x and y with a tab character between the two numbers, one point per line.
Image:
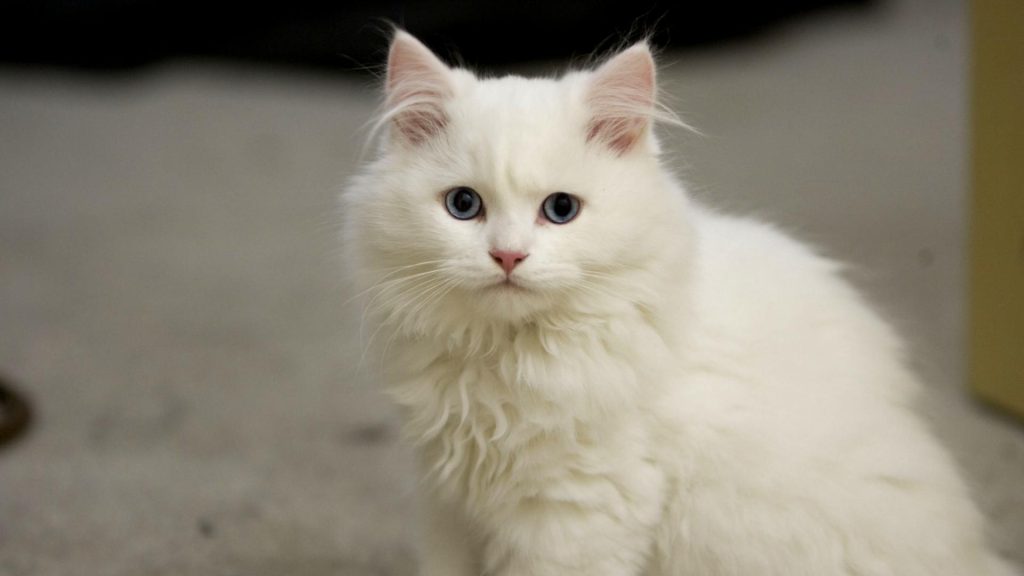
15	414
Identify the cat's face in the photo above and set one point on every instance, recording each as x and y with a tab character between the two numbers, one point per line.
506	199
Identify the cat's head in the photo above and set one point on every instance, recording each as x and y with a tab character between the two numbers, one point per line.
511	200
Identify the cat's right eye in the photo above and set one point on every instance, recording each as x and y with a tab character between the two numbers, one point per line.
463	203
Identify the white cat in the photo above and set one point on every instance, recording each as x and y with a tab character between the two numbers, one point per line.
603	377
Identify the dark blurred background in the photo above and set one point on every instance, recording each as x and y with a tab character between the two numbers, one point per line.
119	34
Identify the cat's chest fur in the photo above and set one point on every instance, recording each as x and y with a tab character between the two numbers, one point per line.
540	412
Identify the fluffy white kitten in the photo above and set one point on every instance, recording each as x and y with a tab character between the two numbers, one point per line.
603	377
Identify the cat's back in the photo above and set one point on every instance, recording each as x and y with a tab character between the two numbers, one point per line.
786	355
787	312
792	402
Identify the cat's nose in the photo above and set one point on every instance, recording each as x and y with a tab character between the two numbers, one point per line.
507	259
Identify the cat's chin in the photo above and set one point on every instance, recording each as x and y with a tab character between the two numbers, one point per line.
510	300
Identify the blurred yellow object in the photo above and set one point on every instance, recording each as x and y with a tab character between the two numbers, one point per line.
997	226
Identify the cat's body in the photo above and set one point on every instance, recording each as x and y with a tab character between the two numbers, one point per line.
649	388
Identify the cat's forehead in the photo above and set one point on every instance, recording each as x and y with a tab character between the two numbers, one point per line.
520	130
523	101
517	91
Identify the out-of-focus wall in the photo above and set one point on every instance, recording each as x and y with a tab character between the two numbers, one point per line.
997	233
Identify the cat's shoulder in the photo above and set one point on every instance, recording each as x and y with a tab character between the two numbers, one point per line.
753	284
752	247
747	269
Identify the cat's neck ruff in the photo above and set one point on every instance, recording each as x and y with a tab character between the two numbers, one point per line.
479	403
547	357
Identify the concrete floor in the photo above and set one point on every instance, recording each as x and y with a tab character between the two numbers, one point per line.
169	293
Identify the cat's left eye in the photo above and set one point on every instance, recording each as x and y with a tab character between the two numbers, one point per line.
560	207
463	203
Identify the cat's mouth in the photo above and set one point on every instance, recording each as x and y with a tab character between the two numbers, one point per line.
508	284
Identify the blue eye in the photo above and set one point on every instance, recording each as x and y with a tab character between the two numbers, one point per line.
560	207
463	203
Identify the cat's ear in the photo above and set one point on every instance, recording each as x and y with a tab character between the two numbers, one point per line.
621	99
416	88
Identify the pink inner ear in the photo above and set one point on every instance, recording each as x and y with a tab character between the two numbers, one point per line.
619	134
420	122
621	99
417	86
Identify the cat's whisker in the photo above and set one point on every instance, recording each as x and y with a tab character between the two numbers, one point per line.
396	311
390	272
426	299
395	298
398	302
383	284
398	289
599	274
428	294
393	290
602	290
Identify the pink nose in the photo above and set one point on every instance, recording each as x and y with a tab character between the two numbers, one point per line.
507	259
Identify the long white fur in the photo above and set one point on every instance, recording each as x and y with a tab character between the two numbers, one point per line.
673	391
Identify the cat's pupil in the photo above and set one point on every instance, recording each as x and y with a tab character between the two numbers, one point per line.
562	205
463	200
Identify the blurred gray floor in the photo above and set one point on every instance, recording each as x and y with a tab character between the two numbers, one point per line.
169	293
